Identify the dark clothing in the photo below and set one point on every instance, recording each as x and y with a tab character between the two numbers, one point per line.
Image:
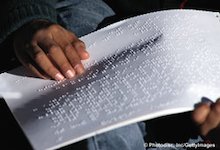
16	13
124	8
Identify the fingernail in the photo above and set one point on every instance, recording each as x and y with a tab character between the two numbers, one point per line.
86	54
79	69
70	74
59	77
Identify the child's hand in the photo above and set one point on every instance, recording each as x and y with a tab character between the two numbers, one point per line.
49	50
207	116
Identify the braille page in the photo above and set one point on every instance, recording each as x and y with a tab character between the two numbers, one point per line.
144	67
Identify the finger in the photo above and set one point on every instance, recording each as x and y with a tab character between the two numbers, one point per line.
213	118
41	59
31	66
74	59
78	45
36	71
71	55
81	49
56	55
200	113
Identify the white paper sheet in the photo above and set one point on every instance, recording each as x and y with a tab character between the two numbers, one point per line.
144	67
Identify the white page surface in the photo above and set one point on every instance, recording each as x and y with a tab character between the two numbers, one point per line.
140	68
